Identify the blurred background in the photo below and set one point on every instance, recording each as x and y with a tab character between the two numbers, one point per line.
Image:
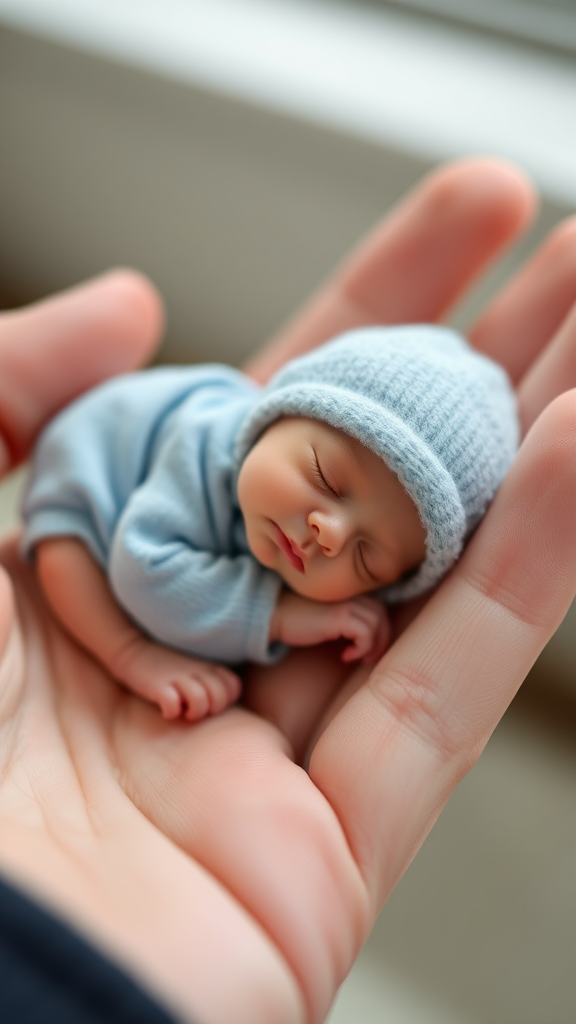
234	150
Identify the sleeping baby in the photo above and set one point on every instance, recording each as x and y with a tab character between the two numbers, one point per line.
185	520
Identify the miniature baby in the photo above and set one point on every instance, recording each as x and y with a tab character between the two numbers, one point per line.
184	520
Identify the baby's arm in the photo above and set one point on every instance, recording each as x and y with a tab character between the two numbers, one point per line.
78	593
363	620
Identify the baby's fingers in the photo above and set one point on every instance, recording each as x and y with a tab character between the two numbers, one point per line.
375	615
382	639
363	625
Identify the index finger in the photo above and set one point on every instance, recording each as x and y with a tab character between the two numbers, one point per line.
392	755
418	261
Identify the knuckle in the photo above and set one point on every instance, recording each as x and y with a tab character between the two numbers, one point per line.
415	699
505	594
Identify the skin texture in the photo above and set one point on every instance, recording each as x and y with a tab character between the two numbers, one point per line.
232	883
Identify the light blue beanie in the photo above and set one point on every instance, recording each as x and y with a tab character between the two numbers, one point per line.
440	415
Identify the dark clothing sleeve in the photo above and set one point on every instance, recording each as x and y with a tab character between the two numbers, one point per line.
50	975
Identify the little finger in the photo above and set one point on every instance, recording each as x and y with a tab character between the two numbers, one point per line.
553	372
530	309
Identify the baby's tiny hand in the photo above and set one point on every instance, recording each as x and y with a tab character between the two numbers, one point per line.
363	620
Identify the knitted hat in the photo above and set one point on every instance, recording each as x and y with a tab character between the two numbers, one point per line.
440	415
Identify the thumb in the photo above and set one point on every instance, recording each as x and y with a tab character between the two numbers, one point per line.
53	350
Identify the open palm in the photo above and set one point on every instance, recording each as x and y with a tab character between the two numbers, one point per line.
235	867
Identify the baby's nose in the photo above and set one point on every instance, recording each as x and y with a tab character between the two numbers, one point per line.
329	531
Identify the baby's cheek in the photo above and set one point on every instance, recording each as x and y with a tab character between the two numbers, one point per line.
262	549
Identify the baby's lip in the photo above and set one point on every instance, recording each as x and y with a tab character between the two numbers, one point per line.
293	553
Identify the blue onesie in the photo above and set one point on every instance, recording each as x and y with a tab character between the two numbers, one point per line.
144	471
141	470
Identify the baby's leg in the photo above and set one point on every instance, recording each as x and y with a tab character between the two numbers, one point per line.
78	593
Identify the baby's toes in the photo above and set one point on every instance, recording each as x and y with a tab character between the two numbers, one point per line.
196	700
232	682
170	701
222	687
225	689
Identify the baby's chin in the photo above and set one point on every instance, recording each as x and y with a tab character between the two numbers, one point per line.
318	592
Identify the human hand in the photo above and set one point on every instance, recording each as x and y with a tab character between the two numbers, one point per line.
197	854
299	622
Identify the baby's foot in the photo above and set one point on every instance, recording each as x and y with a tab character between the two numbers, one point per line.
179	684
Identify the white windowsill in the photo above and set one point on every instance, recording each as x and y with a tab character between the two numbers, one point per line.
382	76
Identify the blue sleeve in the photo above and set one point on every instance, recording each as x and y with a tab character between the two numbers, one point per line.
214	606
98	450
171	569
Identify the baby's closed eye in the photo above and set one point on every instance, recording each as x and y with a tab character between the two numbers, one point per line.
368	570
322	477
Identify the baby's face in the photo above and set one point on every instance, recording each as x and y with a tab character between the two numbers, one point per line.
326	513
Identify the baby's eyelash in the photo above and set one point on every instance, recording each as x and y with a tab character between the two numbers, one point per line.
320	476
